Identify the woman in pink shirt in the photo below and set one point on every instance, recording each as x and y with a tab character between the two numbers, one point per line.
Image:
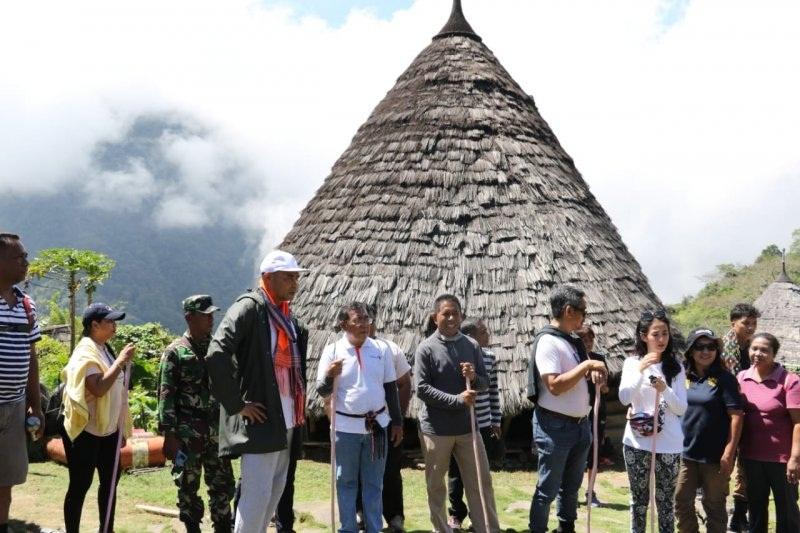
770	444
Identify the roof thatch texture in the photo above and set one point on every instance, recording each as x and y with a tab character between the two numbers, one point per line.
780	315
456	184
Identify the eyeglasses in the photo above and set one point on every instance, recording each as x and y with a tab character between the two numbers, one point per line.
581	310
650	315
361	321
705	347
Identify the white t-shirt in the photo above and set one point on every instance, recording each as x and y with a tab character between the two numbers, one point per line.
401	366
115	395
557	356
360	385
635	390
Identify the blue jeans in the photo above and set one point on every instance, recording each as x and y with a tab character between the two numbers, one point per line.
354	460
563	448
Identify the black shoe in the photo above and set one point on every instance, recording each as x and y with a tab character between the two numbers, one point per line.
739	520
192	527
565	527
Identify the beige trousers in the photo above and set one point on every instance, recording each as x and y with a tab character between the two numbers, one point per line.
438	450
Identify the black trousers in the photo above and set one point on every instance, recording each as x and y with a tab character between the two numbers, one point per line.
763	477
455	487
392	495
86	454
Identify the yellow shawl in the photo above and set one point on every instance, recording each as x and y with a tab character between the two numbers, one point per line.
76	410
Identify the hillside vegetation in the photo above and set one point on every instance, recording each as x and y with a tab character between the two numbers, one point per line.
731	284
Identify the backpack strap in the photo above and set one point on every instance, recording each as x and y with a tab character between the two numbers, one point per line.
28	305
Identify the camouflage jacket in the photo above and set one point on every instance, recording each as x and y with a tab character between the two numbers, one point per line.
734	357
185	404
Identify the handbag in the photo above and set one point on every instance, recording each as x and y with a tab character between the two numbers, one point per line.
642	423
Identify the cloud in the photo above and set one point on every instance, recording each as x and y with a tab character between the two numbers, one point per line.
682	116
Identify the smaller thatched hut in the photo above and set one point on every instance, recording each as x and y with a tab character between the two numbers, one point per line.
780	315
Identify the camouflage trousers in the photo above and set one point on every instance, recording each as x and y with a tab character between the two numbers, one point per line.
202	455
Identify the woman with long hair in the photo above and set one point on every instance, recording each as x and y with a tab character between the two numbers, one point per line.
653	368
770	445
712	426
95	411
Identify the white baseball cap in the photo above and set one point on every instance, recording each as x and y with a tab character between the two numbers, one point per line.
278	261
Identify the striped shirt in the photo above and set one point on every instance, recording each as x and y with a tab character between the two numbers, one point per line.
16	338
487	403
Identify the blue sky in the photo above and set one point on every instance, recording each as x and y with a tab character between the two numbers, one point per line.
335	11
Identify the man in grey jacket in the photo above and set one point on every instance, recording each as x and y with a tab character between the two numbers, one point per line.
443	364
254	364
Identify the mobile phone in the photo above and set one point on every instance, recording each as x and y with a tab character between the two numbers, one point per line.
180	458
653	379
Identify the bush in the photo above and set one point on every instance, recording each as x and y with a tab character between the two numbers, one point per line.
53	357
150	339
143	405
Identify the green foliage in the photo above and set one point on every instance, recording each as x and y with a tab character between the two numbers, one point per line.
53	356
794	249
143	405
73	266
731	284
770	251
150	340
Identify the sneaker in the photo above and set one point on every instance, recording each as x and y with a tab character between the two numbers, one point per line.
595	502
454	522
396	524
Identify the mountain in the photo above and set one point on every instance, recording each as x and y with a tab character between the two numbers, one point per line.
157	266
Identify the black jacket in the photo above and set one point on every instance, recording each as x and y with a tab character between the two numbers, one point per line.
239	364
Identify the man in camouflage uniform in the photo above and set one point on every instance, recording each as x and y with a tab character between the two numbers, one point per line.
188	416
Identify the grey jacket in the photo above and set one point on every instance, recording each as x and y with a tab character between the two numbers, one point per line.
239	364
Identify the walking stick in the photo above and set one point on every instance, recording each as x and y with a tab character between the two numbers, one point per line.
333	454
595	453
473	427
111	490
652	480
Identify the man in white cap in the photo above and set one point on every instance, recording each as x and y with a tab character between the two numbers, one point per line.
256	366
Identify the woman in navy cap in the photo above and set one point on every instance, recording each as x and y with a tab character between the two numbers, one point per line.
95	411
712	426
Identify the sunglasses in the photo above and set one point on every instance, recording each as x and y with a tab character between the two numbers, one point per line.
705	347
650	315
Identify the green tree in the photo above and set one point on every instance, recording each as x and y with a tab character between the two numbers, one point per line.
794	249
75	268
770	251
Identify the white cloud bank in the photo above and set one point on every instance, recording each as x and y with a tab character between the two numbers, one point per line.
687	133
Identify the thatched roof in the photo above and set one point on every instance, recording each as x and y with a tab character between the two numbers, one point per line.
780	315
456	183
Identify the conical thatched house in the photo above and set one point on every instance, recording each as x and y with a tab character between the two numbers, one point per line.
457	184
780	315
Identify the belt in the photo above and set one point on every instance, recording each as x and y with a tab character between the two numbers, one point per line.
562	416
365	415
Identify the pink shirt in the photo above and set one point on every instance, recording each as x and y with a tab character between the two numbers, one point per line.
767	433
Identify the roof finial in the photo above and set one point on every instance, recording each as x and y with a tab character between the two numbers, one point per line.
457	24
784	277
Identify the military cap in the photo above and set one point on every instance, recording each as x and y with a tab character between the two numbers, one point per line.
199	303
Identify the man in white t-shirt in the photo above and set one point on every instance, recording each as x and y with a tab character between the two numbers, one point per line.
392	481
364	403
559	377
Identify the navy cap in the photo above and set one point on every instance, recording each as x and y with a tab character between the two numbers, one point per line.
698	333
99	311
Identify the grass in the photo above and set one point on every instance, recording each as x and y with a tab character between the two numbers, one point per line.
38	503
